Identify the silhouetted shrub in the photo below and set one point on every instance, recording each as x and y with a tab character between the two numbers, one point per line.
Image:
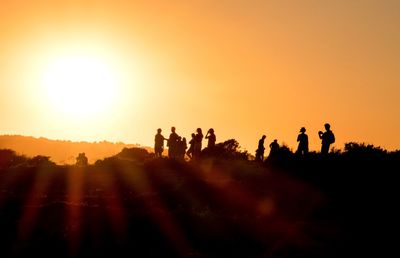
362	149
127	154
395	154
8	158
229	149
138	154
41	161
282	154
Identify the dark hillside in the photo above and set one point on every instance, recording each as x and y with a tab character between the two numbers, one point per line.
334	206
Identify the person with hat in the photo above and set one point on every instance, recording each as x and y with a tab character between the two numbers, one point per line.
302	139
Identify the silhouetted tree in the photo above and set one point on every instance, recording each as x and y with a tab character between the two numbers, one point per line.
9	158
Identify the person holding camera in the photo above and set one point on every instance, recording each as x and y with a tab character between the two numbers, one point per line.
211	138
327	138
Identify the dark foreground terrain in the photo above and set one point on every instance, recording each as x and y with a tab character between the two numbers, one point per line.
336	206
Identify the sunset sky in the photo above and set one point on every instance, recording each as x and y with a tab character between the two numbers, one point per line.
118	70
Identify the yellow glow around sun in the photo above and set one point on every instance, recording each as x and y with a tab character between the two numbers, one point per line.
80	86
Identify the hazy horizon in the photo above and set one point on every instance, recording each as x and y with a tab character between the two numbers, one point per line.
118	70
62	151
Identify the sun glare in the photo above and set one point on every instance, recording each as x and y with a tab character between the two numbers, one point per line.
80	85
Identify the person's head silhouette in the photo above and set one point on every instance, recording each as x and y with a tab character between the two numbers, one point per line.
199	130
211	130
327	126
303	130
263	137
173	129
159	130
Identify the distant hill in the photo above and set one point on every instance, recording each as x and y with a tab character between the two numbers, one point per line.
62	152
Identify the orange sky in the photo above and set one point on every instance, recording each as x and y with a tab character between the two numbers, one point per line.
245	68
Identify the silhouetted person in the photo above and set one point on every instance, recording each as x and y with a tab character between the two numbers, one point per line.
159	143
302	139
260	149
327	138
191	148
211	138
82	160
182	146
274	146
198	138
172	143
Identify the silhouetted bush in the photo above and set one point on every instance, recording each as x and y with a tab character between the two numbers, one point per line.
395	154
8	158
127	154
282	155
41	161
362	149
137	154
229	149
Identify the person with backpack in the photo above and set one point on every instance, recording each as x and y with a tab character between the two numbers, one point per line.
327	138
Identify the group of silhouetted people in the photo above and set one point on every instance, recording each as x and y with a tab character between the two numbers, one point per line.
81	160
177	145
326	137
274	148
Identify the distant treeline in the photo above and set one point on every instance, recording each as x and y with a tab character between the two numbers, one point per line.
61	152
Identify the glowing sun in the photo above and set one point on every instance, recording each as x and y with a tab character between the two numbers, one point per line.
80	85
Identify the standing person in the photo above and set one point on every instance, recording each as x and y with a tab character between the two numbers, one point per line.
198	142
260	149
82	160
211	138
182	148
327	138
302	138
159	143
274	146
172	143
191	148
